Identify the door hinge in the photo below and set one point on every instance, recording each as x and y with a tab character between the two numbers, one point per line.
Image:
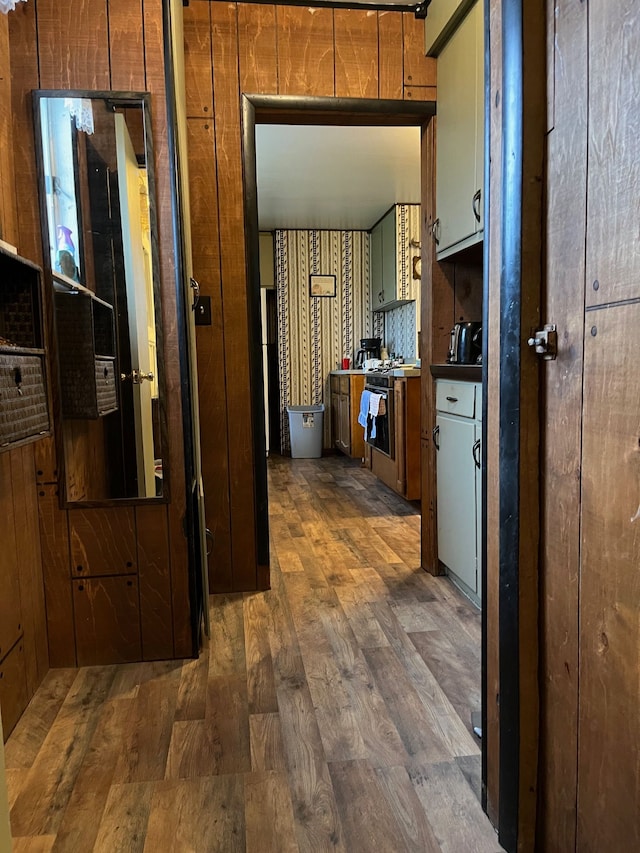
545	342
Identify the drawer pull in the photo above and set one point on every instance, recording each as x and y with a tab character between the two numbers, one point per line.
435	432
452	399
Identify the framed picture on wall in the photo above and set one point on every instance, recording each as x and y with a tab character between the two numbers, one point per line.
322	285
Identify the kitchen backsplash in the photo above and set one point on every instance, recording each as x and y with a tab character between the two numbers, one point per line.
314	333
400	331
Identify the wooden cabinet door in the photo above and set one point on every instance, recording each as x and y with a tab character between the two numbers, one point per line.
345	422
335	420
107	620
590	715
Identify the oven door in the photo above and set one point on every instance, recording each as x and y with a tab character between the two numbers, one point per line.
379	432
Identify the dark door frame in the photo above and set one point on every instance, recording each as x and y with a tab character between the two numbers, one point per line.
290	109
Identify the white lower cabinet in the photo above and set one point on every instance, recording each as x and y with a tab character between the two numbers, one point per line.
459	484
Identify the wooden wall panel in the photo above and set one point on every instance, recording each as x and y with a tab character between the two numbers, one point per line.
107	620
614	165
391	55
97	46
609	714
73	48
54	538
562	388
13	688
155	79
356	53
420	93
233	271
8	209
10	609
24	71
25	502
419	70
126	47
257	49
46	464
103	541
198	67
154	578
211	349
305	51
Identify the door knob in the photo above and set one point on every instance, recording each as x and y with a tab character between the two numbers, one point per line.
137	377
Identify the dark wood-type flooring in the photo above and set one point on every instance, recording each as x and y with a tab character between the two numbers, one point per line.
330	713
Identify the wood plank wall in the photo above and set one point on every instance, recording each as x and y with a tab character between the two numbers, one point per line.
233	48
24	657
115	45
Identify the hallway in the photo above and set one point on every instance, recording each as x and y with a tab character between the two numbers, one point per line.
331	713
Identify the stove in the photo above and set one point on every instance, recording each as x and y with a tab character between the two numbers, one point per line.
379	379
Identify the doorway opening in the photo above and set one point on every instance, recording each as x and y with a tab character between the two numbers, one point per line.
318	112
275	109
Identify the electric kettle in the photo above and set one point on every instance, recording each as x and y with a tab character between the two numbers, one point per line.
466	343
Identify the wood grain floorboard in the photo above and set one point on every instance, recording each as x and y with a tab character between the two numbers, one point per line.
330	713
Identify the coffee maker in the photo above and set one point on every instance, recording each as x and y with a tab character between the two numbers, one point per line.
369	348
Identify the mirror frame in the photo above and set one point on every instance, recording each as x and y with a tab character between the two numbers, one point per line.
143	100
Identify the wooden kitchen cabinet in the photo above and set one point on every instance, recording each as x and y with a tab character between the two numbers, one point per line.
460	137
347	434
401	471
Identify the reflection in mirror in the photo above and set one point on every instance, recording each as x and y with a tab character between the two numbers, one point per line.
98	219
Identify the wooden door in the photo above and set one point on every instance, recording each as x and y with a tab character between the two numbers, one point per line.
590	587
345	423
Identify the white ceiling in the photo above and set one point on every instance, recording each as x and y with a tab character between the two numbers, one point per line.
334	177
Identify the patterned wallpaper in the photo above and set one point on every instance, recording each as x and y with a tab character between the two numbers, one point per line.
314	333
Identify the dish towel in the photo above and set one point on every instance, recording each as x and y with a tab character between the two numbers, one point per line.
374	404
364	409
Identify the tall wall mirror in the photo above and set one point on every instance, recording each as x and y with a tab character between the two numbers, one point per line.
98	215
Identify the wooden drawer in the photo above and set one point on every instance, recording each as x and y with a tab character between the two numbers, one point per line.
456	398
345	384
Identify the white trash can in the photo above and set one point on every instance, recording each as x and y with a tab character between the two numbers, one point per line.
305	431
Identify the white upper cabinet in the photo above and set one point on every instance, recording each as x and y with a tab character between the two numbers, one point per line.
395	241
459	124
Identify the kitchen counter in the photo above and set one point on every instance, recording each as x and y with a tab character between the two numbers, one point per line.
395	371
464	372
